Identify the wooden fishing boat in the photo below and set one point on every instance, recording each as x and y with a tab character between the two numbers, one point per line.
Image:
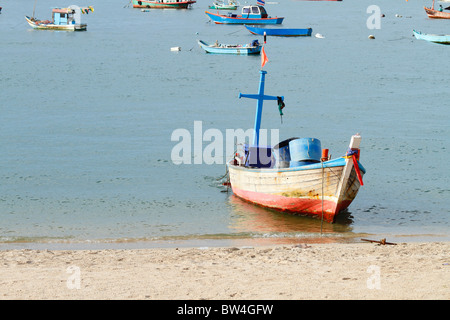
296	175
231	5
280	32
436	38
63	19
239	49
163	4
253	14
436	14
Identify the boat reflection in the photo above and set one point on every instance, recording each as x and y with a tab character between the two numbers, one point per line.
272	226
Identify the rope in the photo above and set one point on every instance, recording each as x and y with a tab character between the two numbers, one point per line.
351	152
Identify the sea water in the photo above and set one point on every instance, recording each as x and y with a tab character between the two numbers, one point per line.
86	122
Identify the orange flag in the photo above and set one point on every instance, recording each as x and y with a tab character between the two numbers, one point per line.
263	57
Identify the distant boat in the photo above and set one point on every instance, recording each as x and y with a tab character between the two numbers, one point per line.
239	49
280	32
253	14
441	39
232	5
64	19
163	4
436	14
296	175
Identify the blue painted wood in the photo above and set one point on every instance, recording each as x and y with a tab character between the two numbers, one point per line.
260	97
280	32
441	39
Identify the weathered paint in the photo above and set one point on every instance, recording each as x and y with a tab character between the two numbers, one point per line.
327	187
312	207
318	188
297	191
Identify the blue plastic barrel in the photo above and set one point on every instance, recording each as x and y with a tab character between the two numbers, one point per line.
305	149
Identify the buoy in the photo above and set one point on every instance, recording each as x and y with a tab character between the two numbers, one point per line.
371	36
324	155
318	35
175	49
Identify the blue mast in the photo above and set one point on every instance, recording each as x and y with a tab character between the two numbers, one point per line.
259	106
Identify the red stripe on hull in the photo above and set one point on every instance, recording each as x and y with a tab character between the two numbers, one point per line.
311	207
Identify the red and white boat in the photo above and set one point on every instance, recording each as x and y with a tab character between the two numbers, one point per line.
296	175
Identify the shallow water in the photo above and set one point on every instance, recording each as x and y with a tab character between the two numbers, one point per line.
87	118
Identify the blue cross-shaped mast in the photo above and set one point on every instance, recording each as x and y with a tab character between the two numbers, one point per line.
259	105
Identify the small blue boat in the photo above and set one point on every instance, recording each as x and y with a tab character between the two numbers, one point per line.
280	32
441	39
239	49
250	15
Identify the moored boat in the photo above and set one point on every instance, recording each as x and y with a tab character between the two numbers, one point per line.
280	32
163	4
296	175
63	19
253	14
436	14
231	5
436	38
239	49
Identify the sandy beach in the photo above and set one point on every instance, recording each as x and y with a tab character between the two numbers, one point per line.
287	272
